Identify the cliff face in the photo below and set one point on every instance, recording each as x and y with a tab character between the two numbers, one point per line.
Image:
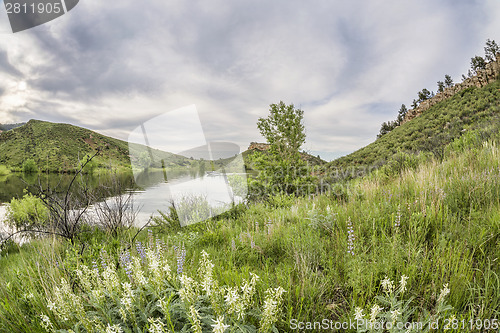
483	77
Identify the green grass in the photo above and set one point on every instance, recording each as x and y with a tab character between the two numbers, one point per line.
448	233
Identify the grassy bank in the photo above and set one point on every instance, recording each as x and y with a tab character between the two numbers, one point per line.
435	222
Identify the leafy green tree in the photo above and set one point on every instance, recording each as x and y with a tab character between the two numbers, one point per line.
401	114
29	166
283	129
491	50
424	95
448	81
90	165
281	168
440	86
477	63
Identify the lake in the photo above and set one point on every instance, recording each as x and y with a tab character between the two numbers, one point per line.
150	191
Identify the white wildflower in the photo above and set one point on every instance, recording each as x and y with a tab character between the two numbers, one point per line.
110	278
402	283
444	292
375	311
46	323
137	272
114	329
195	320
219	326
188	291
394	315
156	326
271	308
387	285
358	313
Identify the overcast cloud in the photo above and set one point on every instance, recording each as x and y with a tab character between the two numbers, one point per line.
348	64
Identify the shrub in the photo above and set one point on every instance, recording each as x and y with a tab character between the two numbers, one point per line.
29	212
29	166
4	171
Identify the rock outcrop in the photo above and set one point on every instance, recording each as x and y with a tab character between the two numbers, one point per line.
483	77
258	146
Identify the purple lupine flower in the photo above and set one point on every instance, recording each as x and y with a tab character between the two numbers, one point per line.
126	262
103	256
181	258
140	249
351	237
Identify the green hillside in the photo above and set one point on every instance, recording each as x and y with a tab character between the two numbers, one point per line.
58	147
430	132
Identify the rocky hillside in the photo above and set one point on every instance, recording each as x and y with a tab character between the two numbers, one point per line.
484	77
469	109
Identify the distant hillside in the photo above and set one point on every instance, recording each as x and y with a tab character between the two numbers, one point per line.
6	127
433	129
57	147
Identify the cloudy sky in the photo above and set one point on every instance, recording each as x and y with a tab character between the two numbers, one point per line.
348	64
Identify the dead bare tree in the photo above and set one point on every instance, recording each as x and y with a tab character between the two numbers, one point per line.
68	208
118	211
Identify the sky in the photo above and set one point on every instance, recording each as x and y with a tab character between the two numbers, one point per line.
348	64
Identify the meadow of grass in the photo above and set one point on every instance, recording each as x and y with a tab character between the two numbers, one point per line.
416	242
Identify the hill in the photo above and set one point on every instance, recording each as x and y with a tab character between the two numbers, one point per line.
58	147
6	127
472	108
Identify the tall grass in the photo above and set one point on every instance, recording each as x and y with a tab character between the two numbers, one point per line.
435	222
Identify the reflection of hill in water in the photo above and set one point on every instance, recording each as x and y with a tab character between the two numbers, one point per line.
101	186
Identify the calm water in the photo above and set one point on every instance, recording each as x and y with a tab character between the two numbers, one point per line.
153	194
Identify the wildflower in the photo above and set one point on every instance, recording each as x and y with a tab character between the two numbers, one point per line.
351	238
140	249
205	270
114	329
126	263
394	315
195	321
444	292
111	280
188	292
397	223
402	283
51	305
387	285
358	313
375	311
137	272
103	256
269	227
271	308
46	323
233	245
156	325
232	299
219	326
181	258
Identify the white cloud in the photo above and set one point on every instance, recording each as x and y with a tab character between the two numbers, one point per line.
349	65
